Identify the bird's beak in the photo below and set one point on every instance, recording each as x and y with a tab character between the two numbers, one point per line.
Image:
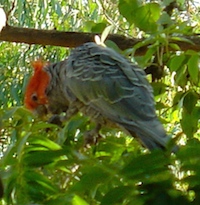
41	111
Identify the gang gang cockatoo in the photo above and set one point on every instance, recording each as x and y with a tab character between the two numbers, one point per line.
102	84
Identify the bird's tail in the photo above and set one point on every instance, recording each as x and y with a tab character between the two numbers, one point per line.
150	143
151	134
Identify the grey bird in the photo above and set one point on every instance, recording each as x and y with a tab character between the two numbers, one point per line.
110	84
104	85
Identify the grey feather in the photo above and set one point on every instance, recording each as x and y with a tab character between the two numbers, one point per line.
110	84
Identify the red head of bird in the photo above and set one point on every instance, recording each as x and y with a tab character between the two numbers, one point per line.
35	95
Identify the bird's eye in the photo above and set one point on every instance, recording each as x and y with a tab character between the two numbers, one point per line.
34	97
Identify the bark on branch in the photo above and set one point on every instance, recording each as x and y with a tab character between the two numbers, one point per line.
73	39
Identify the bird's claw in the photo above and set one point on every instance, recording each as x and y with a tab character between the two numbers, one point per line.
91	137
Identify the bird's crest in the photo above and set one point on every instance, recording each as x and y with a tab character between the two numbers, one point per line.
35	91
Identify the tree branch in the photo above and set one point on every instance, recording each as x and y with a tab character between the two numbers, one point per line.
74	39
57	38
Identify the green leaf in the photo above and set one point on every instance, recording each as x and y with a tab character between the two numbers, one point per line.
174	46
189	152
60	199
151	52
193	68
182	39
177	62
189	121
91	179
159	88
39	186
187	124
43	142
116	195
140	167
77	200
196	113
190	101
167	2
68	133
88	26
127	8
178	98
43	157
99	27
159	106
181	76
113	45
182	2
165	19
146	17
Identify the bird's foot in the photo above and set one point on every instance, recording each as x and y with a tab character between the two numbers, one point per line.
92	137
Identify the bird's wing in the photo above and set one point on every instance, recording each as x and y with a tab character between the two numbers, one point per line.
112	85
105	80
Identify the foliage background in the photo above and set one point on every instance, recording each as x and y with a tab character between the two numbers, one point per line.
45	164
